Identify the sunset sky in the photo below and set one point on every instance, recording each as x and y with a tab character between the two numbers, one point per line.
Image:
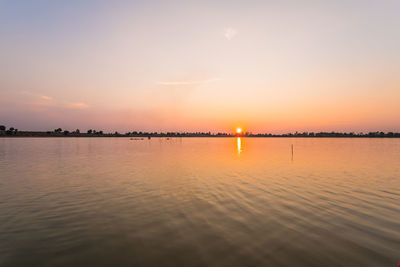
266	66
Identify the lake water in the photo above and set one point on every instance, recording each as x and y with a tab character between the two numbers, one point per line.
199	202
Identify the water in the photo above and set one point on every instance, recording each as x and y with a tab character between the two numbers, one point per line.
199	202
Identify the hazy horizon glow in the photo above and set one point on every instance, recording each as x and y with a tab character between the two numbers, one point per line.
264	66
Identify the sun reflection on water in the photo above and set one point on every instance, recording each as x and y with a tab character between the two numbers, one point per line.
239	145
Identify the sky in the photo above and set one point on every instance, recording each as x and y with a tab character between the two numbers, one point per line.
265	66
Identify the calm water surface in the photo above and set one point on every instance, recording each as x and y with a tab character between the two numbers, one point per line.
199	202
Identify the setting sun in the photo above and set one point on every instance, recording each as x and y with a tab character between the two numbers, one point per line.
238	130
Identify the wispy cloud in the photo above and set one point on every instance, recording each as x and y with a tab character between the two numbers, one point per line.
230	33
48	101
78	105
35	95
188	82
45	97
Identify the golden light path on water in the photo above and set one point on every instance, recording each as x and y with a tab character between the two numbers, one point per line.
239	145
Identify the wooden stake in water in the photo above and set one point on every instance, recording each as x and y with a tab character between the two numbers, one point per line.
292	152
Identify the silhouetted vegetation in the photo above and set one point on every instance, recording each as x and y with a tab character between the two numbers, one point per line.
99	133
9	132
331	134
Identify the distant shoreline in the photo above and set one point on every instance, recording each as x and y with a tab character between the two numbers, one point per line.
145	135
145	138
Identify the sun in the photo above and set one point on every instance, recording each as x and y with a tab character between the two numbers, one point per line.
239	130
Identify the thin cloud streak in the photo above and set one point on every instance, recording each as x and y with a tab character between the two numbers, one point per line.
78	105
51	102
45	97
188	82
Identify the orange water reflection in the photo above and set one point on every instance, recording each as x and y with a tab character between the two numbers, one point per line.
173	194
239	144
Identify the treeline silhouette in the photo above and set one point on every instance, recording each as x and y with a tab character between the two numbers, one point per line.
59	132
331	134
